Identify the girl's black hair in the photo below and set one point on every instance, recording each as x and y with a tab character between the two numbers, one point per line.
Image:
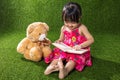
71	12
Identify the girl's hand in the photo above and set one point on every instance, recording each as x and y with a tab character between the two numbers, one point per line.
77	47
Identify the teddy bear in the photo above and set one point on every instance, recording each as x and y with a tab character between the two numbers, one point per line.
35	45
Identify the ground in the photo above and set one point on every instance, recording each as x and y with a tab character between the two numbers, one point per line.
100	16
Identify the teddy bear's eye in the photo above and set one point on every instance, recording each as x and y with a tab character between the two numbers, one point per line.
39	33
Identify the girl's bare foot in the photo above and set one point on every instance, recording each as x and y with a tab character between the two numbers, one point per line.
50	69
62	70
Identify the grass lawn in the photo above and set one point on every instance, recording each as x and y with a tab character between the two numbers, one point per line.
103	21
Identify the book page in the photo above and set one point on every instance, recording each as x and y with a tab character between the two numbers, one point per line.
69	49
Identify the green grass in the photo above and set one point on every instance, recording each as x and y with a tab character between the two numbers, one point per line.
101	16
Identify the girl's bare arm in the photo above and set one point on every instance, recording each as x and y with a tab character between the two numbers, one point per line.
84	31
61	38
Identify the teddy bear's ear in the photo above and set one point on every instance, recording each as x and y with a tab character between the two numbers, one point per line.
46	26
30	29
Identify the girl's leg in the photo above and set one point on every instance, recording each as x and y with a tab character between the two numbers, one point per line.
52	67
63	71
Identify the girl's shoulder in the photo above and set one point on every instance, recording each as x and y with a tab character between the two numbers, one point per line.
64	28
82	28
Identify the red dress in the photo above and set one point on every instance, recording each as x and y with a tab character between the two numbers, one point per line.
71	39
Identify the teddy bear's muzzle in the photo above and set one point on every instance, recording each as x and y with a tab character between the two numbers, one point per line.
42	37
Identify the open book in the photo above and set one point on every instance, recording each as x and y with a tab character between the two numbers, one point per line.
69	49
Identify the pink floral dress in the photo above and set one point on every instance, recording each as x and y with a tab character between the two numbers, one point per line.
71	39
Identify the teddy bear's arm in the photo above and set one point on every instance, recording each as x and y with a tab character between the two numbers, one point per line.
48	41
22	45
46	51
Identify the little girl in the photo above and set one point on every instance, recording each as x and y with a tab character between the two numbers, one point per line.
75	35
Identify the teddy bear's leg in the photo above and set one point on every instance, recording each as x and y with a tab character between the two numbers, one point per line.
34	54
22	46
46	51
26	55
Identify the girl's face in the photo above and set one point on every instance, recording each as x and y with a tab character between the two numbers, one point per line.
71	25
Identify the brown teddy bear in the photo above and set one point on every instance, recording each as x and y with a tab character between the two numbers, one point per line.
35	45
